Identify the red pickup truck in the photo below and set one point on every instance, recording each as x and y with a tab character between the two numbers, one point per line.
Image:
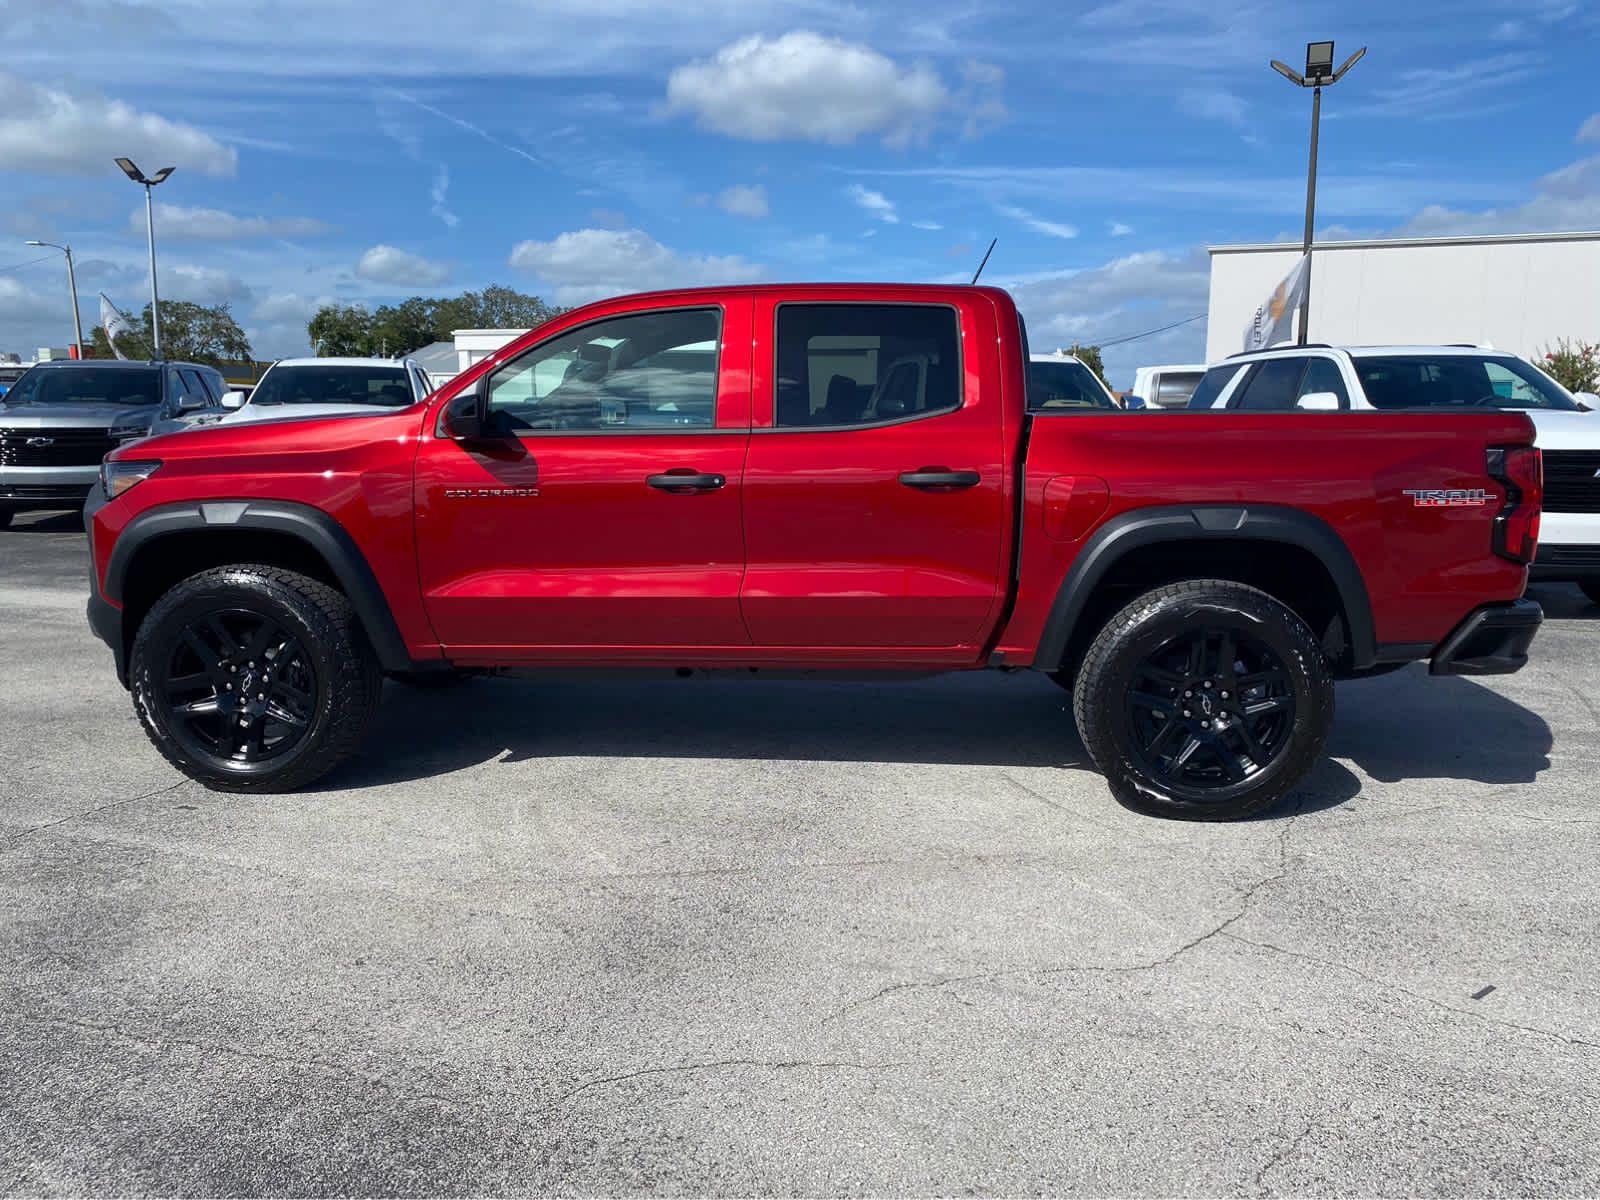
816	478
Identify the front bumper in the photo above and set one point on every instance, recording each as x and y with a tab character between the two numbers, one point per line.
1493	640
105	618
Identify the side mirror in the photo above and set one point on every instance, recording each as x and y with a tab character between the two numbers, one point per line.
232	400
466	417
1318	402
189	402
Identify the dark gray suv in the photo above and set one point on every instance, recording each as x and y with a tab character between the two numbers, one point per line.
61	418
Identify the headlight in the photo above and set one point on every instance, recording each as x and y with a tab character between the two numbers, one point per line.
117	477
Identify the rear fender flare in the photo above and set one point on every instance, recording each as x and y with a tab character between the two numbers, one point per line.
1148	526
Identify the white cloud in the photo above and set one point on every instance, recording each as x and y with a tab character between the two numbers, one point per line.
386	264
201	285
1049	228
1509	31
1118	229
875	203
1212	104
213	225
56	131
289	308
808	87
441	186
1566	200
743	201
1590	132
588	264
931	226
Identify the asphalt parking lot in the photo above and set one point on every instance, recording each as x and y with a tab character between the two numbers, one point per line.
706	937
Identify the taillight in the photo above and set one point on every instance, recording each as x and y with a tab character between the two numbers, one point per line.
1520	470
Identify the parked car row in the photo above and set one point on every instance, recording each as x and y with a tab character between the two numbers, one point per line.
60	418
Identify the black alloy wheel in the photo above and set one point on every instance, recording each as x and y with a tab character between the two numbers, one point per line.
1209	709
1205	700
238	687
254	678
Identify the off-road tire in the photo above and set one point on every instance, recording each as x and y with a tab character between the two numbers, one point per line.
1114	715
333	658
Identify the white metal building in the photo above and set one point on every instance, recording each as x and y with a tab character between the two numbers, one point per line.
1517	292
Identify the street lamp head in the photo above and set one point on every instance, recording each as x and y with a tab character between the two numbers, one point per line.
1289	73
131	171
1348	63
1319	61
33	243
161	175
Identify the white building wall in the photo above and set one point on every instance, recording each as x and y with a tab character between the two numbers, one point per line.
1519	293
475	345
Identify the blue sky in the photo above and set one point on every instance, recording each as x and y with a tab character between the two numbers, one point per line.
578	149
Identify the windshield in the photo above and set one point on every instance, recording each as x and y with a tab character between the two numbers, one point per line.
1459	381
383	387
91	385
1057	385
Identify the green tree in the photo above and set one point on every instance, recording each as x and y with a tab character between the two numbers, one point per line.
189	333
395	330
341	329
1089	356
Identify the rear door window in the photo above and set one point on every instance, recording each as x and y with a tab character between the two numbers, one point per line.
1274	388
862	364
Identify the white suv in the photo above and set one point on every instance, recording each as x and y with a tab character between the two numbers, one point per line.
296	388
1382	378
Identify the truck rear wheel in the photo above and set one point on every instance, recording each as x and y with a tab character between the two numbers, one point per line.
1204	700
254	678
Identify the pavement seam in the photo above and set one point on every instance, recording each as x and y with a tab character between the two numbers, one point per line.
1247	897
17	837
1404	991
718	1064
1279	1155
158	1042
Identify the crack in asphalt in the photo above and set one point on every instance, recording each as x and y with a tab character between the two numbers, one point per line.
719	1064
1246	898
1279	1156
17	837
1404	991
159	1042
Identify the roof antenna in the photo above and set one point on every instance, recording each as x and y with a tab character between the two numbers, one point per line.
985	261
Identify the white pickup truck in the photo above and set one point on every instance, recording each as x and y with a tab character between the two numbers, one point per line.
1457	379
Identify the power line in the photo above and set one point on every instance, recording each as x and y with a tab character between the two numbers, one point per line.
29	263
1148	332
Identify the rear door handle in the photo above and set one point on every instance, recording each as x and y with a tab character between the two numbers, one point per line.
686	481
939	477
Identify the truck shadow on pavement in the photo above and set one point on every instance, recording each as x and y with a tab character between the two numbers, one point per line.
1564	602
1403	726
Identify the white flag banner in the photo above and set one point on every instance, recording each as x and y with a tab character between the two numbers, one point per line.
1274	320
113	322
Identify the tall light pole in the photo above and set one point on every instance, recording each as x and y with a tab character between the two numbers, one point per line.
133	173
72	285
1319	74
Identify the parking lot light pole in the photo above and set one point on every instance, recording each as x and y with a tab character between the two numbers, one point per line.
133	173
72	285
1319	74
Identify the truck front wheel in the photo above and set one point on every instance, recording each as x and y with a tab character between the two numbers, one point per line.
253	678
1204	700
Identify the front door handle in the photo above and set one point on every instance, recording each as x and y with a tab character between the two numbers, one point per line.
685	482
939	477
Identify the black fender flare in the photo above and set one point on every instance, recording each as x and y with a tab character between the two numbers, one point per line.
319	531
1182	523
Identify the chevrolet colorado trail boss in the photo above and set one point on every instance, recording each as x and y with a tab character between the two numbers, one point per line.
811	478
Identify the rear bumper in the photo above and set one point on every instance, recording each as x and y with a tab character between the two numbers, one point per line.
1493	640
